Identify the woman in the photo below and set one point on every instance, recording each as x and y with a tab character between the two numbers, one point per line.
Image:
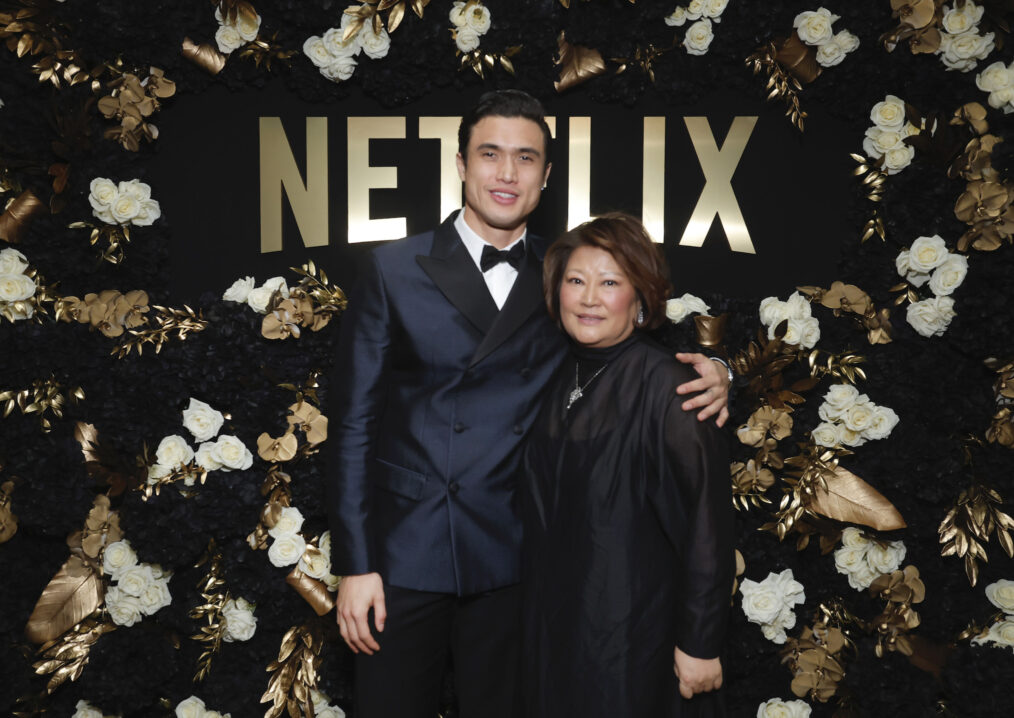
628	513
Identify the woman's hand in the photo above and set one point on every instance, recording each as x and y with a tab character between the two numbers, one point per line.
713	385
696	675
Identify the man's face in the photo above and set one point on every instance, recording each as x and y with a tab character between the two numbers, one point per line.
503	177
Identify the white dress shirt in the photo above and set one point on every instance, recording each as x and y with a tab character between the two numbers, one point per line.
500	278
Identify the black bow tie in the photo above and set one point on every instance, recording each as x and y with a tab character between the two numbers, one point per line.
491	256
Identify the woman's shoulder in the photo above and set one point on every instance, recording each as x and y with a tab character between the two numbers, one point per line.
659	365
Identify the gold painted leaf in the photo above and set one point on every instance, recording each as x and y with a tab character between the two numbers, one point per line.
850	499
74	593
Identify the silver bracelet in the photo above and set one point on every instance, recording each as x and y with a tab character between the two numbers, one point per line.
728	368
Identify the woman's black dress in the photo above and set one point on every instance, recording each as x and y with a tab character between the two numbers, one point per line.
628	540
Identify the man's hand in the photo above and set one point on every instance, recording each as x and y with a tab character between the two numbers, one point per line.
356	595
713	385
696	675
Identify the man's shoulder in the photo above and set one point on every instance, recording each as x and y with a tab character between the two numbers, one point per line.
405	247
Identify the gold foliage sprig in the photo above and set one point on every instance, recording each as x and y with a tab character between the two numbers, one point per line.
44	395
168	322
644	59
310	305
211	611
969	524
843	366
371	12
294	673
899	590
104	465
189	473
1001	428
808	473
8	519
114	237
131	102
110	312
872	178
848	299
279	495
780	84
64	658
482	62
265	51
763	364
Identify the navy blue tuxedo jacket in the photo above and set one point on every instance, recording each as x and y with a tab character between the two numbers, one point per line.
434	390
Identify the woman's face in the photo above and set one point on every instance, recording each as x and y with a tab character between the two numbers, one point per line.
598	304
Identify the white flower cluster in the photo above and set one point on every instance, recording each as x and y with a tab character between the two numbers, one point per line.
234	35
700	34
887	136
125	203
322	707
814	28
140	589
335	56
850	418
227	453
257	298
928	260
471	21
802	328
961	46
193	707
777	708
84	709
863	560
1001	633
15	285
769	603
678	309
998	81
240	622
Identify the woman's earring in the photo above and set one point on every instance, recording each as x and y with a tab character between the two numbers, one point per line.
640	316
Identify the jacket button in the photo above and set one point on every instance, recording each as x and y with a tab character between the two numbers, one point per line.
518	430
525	373
459	427
453	487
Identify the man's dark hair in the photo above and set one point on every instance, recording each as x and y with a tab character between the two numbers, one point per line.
503	103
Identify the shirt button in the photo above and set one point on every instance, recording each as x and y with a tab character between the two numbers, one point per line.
518	430
459	427
453	487
525	373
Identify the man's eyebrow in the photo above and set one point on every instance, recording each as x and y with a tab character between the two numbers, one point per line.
519	150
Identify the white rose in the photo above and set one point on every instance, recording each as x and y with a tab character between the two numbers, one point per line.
374	46
714	8
850	437
319	699
1001	595
839	398
248	27
155	597
879	141
336	47
775	632
84	710
289	522
931	317
330	712
826	434
457	15
680	308
125	208
962	52
133	580
859	416
890	112
809	332
882	424
478	18
762	601
286	550
927	253
949	275
125	610
117	557
149	211
956	21
315	565
853	538
173	451
466	39
886	558
201	420
228	39
695	9
830	54
232	453
205	456
192	707
847	41
777	708
814	26
157	471
314	48
1001	99
792	590
797	307
898	159
134	188
240	622
773	311
339	69
1001	633
16	287
102	193
239	290
12	261
324	544
677	18
259	297
995	77
698	38
861	578
332	582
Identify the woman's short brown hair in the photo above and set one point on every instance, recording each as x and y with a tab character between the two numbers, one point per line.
629	243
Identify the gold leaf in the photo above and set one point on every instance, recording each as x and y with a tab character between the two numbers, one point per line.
73	594
204	56
850	499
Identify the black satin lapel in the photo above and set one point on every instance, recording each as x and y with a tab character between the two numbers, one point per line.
457	277
525	297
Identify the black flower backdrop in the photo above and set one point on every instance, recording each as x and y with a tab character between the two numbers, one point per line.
939	386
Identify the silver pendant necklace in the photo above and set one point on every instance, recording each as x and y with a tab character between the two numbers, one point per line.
578	391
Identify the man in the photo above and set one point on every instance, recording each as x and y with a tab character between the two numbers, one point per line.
443	356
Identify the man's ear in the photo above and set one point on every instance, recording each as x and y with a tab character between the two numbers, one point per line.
460	162
545	177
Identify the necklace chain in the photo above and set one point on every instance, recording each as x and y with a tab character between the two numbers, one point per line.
578	391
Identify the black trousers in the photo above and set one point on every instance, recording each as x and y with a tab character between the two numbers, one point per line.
482	633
